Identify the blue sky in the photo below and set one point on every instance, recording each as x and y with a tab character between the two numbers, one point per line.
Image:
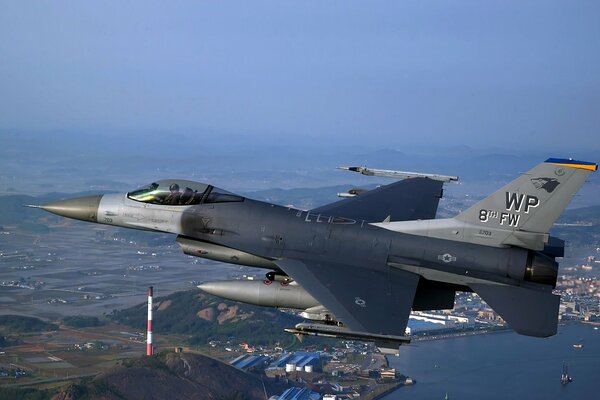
479	73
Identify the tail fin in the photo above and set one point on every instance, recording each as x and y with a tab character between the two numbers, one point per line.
533	201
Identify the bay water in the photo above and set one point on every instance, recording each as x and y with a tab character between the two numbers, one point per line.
502	365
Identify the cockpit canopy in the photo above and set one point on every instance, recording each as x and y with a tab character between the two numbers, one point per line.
177	192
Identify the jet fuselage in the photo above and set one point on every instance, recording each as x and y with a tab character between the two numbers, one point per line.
272	232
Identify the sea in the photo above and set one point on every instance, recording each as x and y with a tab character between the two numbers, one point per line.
502	365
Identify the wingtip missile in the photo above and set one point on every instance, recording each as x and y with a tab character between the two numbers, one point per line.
360	170
398	174
388	344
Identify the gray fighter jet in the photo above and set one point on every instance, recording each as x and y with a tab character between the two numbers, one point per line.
358	266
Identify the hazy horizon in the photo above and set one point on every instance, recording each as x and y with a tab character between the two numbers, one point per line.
274	94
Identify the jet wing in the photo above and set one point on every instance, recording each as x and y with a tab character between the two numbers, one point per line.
409	199
365	300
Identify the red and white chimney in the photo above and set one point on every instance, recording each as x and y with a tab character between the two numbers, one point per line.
149	347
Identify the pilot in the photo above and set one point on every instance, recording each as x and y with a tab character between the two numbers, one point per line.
187	196
173	197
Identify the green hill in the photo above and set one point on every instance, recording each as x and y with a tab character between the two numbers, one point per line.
82	321
22	324
204	318
163	376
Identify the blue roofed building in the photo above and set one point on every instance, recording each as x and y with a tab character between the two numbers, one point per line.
249	362
299	394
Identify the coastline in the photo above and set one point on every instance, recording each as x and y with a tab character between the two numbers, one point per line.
493	330
382	391
514	366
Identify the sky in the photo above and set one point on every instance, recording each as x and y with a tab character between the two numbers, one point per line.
510	74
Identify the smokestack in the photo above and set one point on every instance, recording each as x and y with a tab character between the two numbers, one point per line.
149	347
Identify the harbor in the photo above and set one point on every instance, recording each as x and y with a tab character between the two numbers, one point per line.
509	365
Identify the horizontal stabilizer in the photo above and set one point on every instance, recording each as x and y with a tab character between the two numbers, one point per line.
415	198
529	312
555	247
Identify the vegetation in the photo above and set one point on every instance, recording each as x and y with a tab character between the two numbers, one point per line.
22	324
8	341
259	325
87	388
82	321
156	362
25	394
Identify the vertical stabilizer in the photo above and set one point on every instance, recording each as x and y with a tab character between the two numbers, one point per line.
533	201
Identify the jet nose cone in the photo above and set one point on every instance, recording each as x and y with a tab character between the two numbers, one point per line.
82	208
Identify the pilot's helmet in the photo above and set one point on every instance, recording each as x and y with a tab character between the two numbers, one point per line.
173	187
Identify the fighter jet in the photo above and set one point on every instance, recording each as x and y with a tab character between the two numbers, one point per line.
360	265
